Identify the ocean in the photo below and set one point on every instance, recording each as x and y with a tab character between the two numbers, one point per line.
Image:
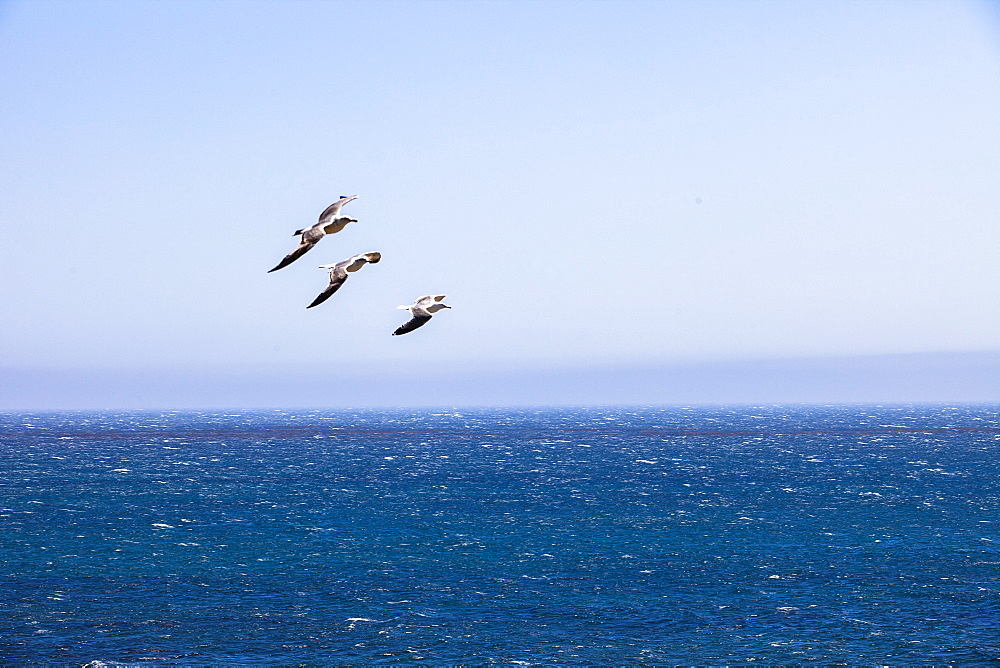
722	535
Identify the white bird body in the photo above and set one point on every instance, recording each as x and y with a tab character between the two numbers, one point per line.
339	270
330	222
421	310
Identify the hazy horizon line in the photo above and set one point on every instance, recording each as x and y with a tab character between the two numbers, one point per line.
944	377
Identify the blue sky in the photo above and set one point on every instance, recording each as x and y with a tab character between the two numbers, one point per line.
594	185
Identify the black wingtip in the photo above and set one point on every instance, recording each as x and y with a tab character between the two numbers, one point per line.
320	298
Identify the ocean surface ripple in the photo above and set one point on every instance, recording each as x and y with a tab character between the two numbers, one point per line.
779	535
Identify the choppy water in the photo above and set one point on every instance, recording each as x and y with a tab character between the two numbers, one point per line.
698	536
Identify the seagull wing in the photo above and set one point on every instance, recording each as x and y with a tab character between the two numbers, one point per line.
428	299
374	257
333	211
330	212
294	255
358	261
337	278
413	323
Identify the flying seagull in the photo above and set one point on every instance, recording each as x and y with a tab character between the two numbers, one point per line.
330	221
421	311
338	273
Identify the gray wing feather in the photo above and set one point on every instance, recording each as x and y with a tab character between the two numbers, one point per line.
429	299
337	278
332	211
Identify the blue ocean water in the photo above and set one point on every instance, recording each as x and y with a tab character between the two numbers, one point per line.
779	535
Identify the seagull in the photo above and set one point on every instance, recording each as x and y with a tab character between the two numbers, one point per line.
421	311
330	221
338	273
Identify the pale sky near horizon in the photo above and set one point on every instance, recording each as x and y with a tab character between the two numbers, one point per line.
590	183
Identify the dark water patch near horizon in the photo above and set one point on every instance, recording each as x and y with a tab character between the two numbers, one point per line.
853	534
